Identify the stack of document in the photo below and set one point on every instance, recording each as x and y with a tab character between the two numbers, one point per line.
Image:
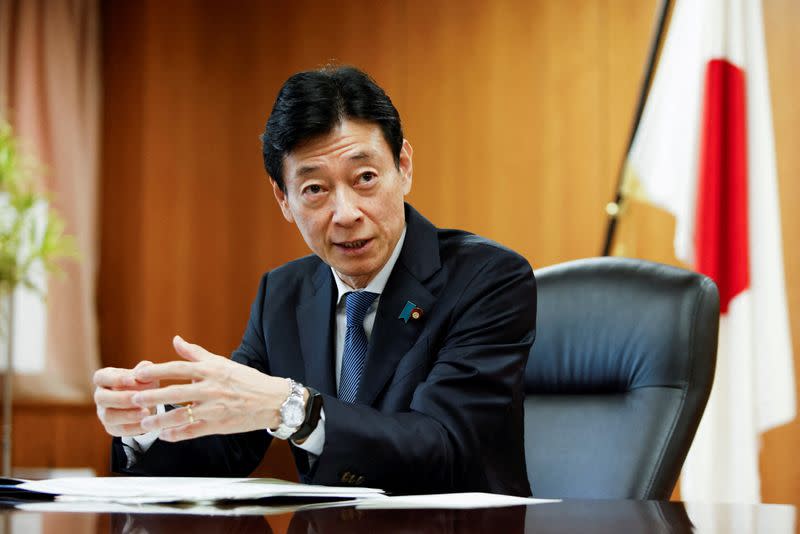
146	490
228	496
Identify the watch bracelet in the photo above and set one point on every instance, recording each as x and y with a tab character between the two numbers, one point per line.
313	411
295	390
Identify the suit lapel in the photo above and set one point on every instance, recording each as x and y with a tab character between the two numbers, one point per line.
392	337
314	322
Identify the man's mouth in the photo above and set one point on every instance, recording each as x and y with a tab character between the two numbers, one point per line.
355	244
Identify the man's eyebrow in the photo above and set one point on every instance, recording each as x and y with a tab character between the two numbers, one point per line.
363	155
358	156
306	169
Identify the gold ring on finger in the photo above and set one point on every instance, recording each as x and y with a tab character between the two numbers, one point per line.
191	415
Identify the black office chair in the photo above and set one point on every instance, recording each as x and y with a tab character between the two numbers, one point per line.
618	377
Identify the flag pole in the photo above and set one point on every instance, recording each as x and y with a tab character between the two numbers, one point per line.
613	208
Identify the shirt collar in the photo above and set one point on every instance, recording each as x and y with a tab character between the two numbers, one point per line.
378	283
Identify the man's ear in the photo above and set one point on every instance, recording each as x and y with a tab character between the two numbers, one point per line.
283	202
406	166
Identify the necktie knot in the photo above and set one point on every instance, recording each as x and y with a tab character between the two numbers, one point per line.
356	305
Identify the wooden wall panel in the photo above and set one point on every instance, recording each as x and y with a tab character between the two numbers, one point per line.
779	467
518	111
57	436
491	94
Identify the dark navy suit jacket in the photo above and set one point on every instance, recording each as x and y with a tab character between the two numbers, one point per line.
439	408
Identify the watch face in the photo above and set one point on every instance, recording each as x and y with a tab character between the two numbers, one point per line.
293	413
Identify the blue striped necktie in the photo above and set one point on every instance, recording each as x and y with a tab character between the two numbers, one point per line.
355	343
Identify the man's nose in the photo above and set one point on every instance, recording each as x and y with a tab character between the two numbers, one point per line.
345	207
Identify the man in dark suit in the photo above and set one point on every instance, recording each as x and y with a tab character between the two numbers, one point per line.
392	357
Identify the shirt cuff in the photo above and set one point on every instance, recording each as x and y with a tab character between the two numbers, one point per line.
135	445
315	441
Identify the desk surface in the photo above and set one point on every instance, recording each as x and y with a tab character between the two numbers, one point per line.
574	516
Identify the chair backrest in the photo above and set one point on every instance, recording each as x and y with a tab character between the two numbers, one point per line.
618	377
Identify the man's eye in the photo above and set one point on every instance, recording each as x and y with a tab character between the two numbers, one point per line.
313	189
367	177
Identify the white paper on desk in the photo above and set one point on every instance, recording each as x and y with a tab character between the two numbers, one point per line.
139	490
449	501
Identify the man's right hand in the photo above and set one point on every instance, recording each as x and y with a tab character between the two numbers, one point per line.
113	393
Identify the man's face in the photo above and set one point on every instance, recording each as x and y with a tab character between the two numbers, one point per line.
345	194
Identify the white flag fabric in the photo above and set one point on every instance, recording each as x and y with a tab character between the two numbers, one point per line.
704	151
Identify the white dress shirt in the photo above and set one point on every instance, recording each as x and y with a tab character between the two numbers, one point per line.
315	442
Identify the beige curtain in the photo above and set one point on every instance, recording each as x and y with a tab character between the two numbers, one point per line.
50	93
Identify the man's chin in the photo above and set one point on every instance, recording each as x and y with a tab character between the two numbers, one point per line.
350	274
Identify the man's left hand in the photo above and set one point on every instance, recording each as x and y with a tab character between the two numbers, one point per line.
224	397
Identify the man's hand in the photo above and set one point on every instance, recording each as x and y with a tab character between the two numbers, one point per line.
115	409
220	396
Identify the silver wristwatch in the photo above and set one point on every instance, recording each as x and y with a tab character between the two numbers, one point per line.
293	412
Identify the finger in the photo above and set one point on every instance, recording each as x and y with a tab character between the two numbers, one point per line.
178	417
126	430
107	398
117	417
141	364
190	431
177	370
138	386
193	353
175	394
113	377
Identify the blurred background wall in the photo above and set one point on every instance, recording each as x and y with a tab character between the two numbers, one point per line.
518	111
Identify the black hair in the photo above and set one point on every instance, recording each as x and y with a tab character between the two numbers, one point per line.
313	103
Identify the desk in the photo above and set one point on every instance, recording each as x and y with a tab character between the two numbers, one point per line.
574	516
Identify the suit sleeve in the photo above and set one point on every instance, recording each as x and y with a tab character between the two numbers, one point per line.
231	455
464	428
